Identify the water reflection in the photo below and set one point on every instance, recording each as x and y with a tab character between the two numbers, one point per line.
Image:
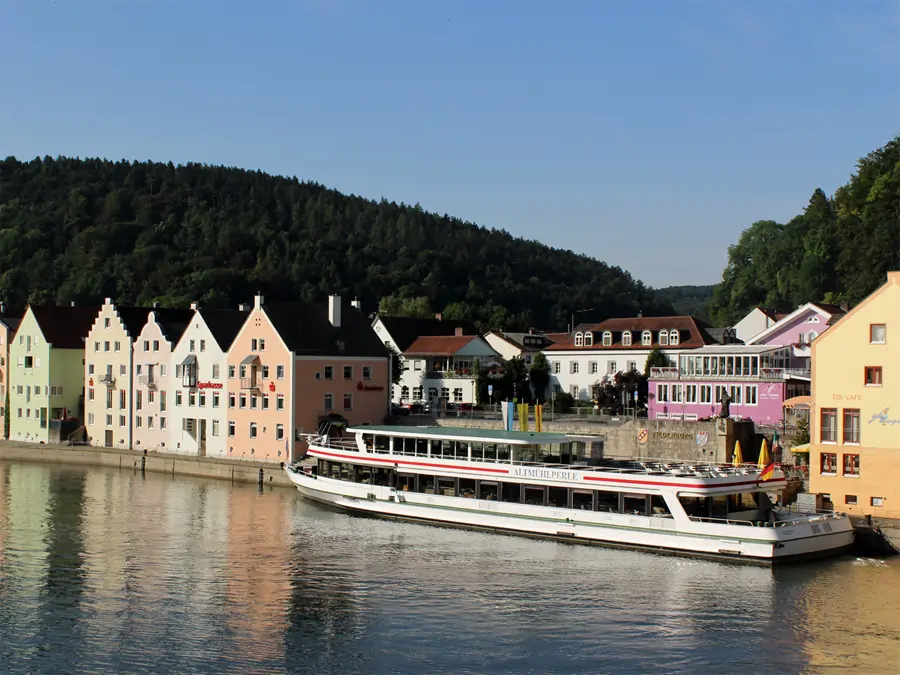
109	571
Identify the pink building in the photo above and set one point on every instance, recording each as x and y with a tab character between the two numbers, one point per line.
294	366
756	379
798	329
152	380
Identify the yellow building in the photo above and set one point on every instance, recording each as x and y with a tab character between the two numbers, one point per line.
855	408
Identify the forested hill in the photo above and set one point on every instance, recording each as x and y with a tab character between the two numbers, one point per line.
688	300
81	230
838	249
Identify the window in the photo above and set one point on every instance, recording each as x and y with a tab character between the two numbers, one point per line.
367	372
215	427
162	422
243	400
851	500
192	346
673	336
231	428
348	372
607	338
231	399
192	399
178	396
279	432
96	344
877	501
828	431
690	393
202	346
162	370
279	402
150	396
109	399
108	420
215	372
348	401
265	372
579	339
162	404
265	402
106	346
106	323
90	393
664	337
252	429
29	362
329	402
201	399
122	401
279	372
592	367
230	372
851	465
630	366
117	346
254	344
705	393
457	395
750	394
851	426
137	370
90	416
215	399
150	422
873	376
588	339
253	401
662	393
242	371
90	369
676	393
877	333
611	368
573	390
573	367
262	344
734	392
557	367
828	464
329	372
626	338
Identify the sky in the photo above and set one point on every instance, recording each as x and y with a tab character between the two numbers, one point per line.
646	134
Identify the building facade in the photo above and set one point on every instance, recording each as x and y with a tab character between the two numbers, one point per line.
518	345
47	373
595	351
798	330
442	369
200	390
9	323
855	414
755	322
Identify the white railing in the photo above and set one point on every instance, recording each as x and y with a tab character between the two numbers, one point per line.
672	373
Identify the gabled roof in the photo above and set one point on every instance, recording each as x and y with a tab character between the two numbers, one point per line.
439	345
65	327
692	333
831	312
404	330
519	340
224	324
11	318
306	330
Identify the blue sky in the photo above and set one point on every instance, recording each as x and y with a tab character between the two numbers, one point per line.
646	134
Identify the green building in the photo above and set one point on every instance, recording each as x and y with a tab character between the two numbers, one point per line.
46	373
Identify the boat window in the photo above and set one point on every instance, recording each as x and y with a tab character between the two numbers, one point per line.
490	452
607	501
696	507
421	447
462	450
488	490
381	443
558	497
511	492
404	446
658	506
381	476
477	452
719	506
367	441
426	484
442	449
466	487
583	500
636	505
535	495
503	452
323	467
406	482
334	470
364	474
346	472
447	487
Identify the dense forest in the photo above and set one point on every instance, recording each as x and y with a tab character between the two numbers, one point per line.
688	300
838	249
139	232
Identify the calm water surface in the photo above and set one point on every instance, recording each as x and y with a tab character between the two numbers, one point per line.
106	571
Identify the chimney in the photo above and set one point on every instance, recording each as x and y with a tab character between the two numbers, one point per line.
439	316
334	310
156	305
845	306
640	315
72	303
258	302
243	308
357	304
2	308
458	331
195	306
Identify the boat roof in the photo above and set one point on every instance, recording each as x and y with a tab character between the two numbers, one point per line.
465	433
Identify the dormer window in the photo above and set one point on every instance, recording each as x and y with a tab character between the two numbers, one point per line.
626	338
664	337
646	338
588	339
579	340
673	337
607	338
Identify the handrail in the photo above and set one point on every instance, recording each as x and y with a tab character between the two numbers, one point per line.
829	515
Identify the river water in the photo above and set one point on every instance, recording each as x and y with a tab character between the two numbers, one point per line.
110	571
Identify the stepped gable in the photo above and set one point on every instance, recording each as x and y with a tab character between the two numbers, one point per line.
173	321
65	327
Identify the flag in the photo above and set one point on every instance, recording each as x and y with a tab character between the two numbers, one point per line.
538	417
766	473
523	417
776	446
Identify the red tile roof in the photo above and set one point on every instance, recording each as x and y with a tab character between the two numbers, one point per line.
691	333
438	345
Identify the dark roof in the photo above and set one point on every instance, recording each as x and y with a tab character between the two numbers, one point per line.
692	332
724	335
438	345
65	327
224	324
305	329
12	317
830	309
135	318
405	330
535	341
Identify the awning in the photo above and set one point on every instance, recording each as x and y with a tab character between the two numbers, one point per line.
802	448
799	402
250	360
189	360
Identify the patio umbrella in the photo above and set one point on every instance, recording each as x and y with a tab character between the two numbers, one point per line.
764	459
738	455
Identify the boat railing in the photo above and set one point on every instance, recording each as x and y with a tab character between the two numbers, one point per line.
810	518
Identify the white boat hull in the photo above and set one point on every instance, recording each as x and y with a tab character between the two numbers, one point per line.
744	543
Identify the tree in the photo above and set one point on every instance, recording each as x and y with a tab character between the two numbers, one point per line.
539	376
396	366
616	392
656	359
517	379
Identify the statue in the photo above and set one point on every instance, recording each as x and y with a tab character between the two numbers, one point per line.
726	405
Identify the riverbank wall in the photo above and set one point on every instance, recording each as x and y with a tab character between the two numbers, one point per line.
235	471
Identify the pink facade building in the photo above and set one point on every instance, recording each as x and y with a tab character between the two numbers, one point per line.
294	367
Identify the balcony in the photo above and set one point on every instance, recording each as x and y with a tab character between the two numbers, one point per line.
251	384
664	373
449	374
672	373
148	381
109	380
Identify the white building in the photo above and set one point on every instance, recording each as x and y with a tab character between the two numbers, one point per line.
594	351
518	345
199	383
442	369
755	322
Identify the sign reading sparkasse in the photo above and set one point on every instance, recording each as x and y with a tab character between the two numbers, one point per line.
209	385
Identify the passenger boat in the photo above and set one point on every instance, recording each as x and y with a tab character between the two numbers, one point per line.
547	485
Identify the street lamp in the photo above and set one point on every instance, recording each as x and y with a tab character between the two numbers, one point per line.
578	311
